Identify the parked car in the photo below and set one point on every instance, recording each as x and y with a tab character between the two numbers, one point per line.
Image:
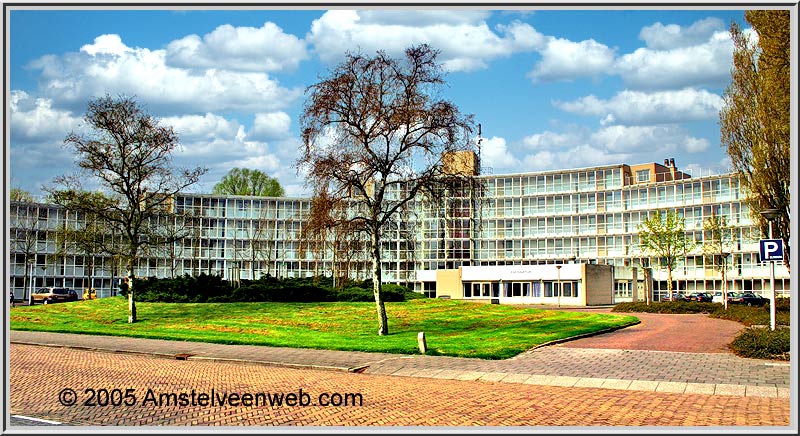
747	298
676	296
703	297
717	298
54	295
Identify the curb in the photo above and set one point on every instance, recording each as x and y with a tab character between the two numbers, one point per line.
181	356
581	336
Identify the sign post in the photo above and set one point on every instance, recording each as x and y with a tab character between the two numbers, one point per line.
771	250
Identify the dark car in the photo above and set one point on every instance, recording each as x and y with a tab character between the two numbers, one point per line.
747	298
702	297
54	295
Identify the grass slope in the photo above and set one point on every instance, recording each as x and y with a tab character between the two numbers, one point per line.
452	328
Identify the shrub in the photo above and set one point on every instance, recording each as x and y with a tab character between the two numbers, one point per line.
667	307
185	289
747	315
213	289
762	343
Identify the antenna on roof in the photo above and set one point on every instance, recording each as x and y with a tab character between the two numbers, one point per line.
479	143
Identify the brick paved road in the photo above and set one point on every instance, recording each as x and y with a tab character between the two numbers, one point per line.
687	333
387	401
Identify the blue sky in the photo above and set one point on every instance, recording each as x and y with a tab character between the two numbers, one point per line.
551	89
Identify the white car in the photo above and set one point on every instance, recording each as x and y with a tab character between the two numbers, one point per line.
717	298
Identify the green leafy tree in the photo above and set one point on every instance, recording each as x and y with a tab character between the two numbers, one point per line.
664	237
718	240
18	194
375	133
129	153
243	181
755	117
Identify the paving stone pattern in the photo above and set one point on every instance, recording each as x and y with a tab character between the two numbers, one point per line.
387	400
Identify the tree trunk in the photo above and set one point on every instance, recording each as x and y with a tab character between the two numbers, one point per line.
383	324
669	284
131	302
724	288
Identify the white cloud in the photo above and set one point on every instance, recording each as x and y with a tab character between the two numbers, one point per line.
422	17
266	48
35	119
567	60
271	125
73	78
607	145
194	128
654	139
466	42
551	140
495	153
106	44
703	64
637	107
664	37
37	133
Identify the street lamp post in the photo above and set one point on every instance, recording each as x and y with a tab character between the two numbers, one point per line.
32	284
770	215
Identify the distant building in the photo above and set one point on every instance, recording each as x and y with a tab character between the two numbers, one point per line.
519	225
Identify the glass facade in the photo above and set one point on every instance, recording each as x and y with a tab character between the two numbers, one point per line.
588	215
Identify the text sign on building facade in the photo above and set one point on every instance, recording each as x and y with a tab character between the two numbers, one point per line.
770	250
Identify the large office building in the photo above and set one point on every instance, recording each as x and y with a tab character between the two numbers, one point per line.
512	237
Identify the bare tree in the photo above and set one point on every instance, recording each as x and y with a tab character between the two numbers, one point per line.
375	134
327	231
129	153
87	236
26	232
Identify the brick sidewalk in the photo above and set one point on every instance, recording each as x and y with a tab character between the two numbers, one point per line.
635	370
36	391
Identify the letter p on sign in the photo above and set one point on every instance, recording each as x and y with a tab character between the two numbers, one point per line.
770	250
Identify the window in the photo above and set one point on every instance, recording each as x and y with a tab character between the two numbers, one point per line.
537	289
548	289
643	176
566	289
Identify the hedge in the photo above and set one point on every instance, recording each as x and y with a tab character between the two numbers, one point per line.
206	288
758	341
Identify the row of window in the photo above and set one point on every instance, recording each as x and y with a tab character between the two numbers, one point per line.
514	186
535	289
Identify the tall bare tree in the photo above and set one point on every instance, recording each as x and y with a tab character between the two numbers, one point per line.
375	133
718	240
88	236
755	117
327	231
664	236
130	154
26	232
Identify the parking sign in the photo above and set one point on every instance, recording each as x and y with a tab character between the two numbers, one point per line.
770	250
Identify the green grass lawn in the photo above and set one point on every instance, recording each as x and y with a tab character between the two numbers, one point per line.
452	328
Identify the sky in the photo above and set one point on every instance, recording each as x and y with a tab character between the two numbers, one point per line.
552	89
